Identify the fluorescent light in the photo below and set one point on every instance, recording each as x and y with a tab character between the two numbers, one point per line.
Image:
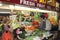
33	9
0	4
5	12
23	8
11	6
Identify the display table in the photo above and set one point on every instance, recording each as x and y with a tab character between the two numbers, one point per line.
50	37
40	35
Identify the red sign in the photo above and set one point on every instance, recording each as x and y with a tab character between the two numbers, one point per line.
28	3
31	3
11	1
48	7
41	5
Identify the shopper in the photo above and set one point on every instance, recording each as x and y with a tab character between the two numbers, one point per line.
43	24
48	25
6	35
19	33
5	26
16	34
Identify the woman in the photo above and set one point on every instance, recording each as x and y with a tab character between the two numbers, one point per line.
6	35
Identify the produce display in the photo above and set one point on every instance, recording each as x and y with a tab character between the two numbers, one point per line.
31	22
36	33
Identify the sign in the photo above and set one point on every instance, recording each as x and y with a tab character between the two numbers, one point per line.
31	3
48	7
41	5
51	2
28	3
34	1
42	1
11	1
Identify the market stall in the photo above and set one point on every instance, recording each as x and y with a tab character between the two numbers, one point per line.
26	19
31	21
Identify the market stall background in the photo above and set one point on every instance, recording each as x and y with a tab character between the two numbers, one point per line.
23	17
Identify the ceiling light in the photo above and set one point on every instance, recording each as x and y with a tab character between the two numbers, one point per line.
0	4
11	6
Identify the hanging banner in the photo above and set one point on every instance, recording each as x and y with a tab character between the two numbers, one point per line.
32	3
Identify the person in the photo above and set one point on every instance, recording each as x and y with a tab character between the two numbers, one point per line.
6	35
48	25
16	33
19	33
5	27
43	24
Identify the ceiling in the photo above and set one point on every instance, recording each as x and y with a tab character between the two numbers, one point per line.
58	1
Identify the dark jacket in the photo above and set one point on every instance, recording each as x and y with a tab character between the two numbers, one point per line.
43	24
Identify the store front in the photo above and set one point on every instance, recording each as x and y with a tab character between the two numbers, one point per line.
28	17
